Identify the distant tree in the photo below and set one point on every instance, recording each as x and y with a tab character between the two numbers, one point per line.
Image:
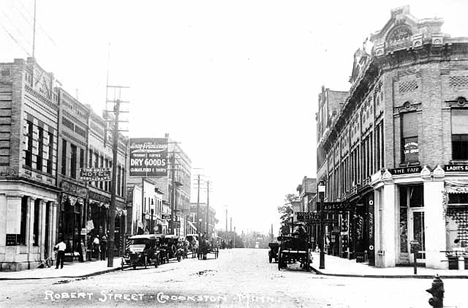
285	212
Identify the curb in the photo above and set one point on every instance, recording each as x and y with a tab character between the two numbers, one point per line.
78	277
66	277
389	276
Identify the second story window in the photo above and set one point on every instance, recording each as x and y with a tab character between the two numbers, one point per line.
64	158
51	153
460	134
40	148
409	138
29	144
73	162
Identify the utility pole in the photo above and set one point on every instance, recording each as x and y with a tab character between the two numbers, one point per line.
115	144
198	206
207	205
173	190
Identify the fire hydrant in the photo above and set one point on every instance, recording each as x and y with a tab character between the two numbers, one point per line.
437	292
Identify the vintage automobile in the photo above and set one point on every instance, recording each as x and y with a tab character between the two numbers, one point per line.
295	247
142	250
167	246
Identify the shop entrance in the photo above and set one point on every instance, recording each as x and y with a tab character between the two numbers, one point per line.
416	233
411	223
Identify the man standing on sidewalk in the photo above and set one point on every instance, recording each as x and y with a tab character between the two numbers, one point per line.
60	247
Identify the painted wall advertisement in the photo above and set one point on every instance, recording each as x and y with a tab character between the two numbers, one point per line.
148	157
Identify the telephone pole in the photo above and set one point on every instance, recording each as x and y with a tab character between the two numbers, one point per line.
115	144
207	206
198	206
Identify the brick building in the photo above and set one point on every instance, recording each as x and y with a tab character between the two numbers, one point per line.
28	156
393	150
46	137
174	190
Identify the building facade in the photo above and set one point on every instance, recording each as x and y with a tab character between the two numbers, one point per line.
46	137
174	191
394	155
28	155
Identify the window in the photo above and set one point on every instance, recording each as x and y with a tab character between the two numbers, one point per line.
24	220
51	153
29	144
409	140
459	134
40	149
73	161
82	158
36	223
458	198
64	157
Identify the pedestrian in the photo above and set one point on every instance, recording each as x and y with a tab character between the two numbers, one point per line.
96	247
60	247
103	248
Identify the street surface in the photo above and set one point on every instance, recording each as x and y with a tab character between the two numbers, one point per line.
238	278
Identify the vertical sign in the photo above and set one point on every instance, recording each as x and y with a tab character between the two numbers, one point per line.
148	157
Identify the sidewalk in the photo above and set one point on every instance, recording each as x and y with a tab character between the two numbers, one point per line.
335	266
70	270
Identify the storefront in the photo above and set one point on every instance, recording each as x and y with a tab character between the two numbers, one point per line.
71	217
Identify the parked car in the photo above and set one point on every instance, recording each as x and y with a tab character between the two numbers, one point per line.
142	251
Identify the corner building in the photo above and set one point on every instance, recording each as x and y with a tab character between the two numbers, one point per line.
393	150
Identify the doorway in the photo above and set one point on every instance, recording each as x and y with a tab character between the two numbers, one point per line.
416	233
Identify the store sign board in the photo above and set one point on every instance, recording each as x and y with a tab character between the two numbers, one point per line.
306	216
456	168
95	174
405	170
336	206
148	157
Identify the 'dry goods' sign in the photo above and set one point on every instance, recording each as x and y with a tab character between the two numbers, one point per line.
148	157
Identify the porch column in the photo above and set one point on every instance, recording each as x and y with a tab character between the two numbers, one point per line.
53	226
41	235
387	231
12	225
434	223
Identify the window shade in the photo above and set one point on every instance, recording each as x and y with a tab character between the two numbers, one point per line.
459	121
410	124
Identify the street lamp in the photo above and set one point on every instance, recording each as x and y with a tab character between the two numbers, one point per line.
321	192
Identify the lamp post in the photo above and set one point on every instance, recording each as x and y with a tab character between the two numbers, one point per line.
321	192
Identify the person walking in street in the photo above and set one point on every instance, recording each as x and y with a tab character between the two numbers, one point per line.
60	247
103	248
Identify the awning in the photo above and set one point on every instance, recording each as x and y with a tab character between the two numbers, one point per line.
192	225
456	187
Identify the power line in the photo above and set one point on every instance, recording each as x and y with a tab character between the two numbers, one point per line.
17	29
13	38
40	27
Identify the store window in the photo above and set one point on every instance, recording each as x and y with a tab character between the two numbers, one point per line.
459	134
409	140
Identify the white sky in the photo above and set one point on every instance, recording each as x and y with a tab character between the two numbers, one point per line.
235	82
